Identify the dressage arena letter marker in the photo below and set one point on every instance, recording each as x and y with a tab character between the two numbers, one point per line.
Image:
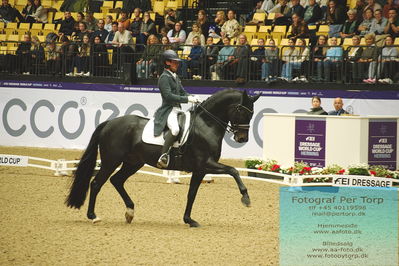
13	160
338	226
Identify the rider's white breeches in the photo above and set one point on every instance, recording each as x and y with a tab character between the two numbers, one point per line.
172	122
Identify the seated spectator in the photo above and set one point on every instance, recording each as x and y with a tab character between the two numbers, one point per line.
216	29
177	36
80	17
267	5
193	61
319	54
365	25
282	13
211	54
67	24
123	18
82	59
257	58
241	58
165	43
369	54
299	28
100	57
28	10
257	9
196	32
24	56
37	52
67	53
388	62
91	21
108	23
313	13
333	59
124	44
111	34
351	25
9	13
270	62
147	28
148	63
294	58
53	58
101	32
297	8
135	23
231	28
392	27
378	25
39	15
203	23
171	19
371	4
352	57
78	35
338	106
316	108
335	16
388	6
225	56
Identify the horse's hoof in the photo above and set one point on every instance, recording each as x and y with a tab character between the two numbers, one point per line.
194	224
129	215
96	220
246	201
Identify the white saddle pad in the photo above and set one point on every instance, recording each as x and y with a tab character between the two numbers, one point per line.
148	133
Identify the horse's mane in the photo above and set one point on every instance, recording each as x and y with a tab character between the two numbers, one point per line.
211	100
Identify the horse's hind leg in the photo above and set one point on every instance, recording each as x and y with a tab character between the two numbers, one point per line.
95	187
118	180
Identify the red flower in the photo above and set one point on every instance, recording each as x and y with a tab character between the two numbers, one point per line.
372	172
341	172
275	168
260	168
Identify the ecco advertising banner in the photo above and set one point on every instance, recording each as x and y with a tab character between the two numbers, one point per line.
64	115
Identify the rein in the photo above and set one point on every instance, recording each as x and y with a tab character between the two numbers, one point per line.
233	128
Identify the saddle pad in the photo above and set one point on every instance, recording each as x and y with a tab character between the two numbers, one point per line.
148	133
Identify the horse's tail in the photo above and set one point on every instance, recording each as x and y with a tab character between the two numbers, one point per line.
84	172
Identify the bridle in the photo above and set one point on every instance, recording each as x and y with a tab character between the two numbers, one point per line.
233	128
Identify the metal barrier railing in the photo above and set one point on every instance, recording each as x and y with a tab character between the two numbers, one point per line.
250	63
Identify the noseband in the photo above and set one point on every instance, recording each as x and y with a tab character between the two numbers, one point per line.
233	128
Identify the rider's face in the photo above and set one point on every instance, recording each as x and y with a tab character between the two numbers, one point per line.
174	65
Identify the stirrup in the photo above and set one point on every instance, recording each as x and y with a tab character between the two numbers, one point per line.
163	161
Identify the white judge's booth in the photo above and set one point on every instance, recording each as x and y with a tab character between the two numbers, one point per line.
323	140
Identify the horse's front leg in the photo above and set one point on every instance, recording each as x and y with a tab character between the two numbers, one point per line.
195	182
213	167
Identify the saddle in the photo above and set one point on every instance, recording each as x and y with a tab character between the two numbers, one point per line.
183	118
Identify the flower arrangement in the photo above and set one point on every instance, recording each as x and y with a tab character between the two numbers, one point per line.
301	168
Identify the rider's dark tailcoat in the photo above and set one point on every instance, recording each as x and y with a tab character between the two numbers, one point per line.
173	94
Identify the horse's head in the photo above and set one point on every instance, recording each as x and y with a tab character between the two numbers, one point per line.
240	116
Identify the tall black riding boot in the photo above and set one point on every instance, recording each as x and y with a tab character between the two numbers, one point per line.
163	161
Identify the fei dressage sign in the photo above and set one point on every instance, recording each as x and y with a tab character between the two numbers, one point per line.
361	181
13	160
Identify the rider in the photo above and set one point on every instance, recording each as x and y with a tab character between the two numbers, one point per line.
173	94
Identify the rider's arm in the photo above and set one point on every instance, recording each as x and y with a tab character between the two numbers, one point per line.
166	91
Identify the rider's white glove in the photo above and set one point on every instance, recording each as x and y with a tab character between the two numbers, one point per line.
193	99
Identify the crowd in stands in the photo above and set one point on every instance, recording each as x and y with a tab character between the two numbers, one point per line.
358	46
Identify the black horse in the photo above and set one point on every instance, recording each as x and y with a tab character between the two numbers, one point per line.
120	142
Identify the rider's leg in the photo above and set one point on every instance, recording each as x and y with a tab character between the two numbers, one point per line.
170	138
